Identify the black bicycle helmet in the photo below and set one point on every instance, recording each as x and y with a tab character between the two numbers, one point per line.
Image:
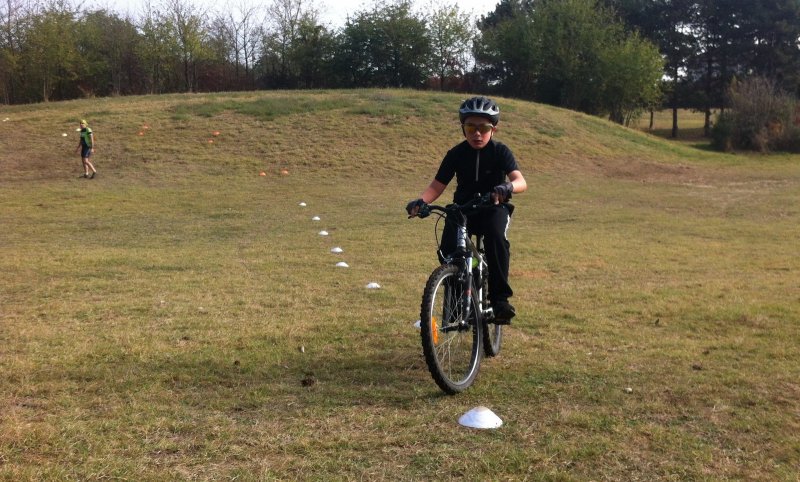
480	106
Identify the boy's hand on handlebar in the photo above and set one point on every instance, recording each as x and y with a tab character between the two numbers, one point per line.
502	192
414	206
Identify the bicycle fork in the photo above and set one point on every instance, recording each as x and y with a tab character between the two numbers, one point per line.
466	269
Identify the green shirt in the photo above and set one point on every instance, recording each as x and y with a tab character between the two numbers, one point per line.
86	137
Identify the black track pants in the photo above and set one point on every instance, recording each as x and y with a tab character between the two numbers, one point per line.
493	224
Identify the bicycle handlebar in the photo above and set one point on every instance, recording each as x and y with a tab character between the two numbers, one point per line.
477	202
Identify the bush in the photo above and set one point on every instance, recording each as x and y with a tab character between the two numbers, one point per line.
722	132
760	117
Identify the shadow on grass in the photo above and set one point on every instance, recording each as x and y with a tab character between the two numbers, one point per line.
251	380
691	137
397	378
684	134
704	146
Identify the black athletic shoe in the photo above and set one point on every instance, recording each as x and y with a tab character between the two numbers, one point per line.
503	312
83	176
92	176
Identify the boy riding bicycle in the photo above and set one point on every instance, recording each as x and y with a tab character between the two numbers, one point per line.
480	165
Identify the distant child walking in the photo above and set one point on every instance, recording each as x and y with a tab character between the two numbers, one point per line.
86	146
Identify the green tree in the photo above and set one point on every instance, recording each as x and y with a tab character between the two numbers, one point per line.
774	29
108	45
312	53
631	73
385	46
14	19
571	53
717	33
568	38
158	51
51	65
501	60
678	45
451	35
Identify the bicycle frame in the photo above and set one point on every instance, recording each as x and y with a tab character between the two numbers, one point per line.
468	255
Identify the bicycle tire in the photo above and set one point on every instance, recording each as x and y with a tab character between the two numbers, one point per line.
492	333
450	343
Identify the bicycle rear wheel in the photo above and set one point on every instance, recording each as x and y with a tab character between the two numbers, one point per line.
492	333
451	339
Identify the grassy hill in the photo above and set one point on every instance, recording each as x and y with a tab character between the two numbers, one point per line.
180	317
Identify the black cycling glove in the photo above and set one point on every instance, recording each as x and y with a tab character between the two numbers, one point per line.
503	191
416	203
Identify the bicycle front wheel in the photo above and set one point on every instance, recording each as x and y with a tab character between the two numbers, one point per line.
451	338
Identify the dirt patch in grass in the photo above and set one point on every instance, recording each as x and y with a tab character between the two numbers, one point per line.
637	169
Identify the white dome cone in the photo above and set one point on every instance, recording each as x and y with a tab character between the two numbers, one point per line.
418	324
342	264
337	250
315	218
323	233
373	286
480	417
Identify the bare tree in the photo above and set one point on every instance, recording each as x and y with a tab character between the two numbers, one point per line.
158	47
188	22
242	27
248	39
283	19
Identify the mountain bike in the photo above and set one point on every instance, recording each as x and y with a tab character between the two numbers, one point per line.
456	319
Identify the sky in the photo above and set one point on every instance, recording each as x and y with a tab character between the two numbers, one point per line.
332	12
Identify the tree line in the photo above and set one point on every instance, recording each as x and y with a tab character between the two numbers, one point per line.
615	58
54	50
710	45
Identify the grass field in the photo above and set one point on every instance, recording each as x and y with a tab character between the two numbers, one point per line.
180	317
